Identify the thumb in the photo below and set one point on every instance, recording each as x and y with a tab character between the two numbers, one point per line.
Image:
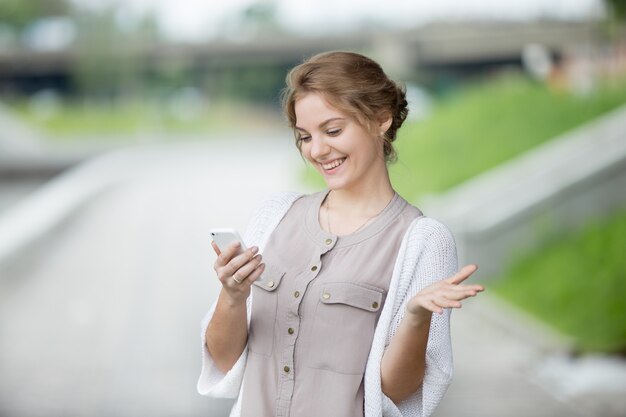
216	248
463	274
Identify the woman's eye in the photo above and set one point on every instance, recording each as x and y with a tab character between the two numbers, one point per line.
304	138
333	132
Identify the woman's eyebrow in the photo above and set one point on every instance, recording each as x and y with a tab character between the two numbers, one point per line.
330	120
324	123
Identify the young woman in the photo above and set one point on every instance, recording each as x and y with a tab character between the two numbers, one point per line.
346	313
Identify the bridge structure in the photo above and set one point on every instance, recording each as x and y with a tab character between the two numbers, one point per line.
437	48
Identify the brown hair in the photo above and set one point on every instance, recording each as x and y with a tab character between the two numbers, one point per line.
355	85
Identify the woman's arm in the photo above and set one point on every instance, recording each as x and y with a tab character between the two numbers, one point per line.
227	332
404	361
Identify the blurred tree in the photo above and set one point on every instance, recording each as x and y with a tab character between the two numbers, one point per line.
111	52
18	14
615	24
617	9
261	17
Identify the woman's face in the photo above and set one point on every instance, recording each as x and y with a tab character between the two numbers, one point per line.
344	152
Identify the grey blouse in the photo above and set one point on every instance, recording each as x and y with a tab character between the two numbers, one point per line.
315	310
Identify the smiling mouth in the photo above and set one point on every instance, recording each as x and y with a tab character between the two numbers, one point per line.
333	164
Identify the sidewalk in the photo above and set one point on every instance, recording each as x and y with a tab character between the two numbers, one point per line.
493	367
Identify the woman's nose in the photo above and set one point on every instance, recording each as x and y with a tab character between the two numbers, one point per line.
319	147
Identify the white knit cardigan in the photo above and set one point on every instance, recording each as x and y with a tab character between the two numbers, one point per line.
427	254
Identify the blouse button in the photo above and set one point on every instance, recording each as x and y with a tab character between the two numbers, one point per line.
290	330
375	305
314	268
329	241
296	294
326	296
286	369
270	284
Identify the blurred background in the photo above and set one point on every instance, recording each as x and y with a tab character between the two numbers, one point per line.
129	128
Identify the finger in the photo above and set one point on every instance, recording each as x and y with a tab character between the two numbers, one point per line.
240	260
476	288
428	304
468	288
444	302
230	282
463	274
431	306
256	273
242	273
216	248
460	293
226	255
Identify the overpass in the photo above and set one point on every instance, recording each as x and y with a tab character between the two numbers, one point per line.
462	47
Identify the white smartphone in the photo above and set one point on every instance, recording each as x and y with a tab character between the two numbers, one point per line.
225	236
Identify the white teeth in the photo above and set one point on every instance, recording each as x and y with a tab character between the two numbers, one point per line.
334	164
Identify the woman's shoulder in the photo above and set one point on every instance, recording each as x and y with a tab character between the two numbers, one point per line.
429	232
421	224
276	201
281	198
431	225
267	214
277	204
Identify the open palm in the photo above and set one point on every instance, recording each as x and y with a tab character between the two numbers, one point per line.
447	293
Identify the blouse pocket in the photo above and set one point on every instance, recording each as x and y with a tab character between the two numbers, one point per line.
343	327
263	315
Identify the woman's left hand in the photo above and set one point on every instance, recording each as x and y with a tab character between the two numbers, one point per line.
447	293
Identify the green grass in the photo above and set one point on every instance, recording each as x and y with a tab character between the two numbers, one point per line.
483	125
74	121
577	284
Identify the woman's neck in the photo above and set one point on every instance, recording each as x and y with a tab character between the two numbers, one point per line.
348	210
365	201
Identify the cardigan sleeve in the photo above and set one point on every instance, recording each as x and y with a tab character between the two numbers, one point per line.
436	259
213	382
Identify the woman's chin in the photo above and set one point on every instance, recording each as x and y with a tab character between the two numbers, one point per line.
334	184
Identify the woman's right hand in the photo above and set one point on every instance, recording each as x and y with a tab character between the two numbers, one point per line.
237	273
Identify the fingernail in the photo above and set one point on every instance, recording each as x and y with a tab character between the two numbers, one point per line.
254	249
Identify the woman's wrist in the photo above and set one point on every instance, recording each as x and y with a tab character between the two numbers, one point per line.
418	317
231	302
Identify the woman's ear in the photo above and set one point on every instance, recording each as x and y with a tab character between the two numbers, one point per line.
385	123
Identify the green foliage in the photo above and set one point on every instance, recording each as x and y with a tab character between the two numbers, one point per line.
20	13
577	284
255	83
617	9
124	120
108	61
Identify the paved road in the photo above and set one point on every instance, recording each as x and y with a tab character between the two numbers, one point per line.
101	318
12	191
